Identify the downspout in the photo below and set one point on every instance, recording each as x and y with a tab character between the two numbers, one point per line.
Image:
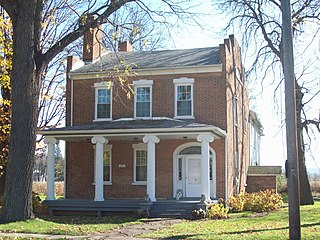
65	172
226	167
71	104
235	112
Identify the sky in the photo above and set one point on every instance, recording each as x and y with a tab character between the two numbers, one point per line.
270	111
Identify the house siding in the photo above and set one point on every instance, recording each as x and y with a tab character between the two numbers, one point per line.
80	170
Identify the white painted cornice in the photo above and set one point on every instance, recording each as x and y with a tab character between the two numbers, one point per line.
151	72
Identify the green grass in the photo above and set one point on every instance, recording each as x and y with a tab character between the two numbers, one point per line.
68	225
245	225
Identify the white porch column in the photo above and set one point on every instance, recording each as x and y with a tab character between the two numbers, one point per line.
205	139
50	141
151	140
98	176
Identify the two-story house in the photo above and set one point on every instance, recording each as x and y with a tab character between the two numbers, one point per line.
184	133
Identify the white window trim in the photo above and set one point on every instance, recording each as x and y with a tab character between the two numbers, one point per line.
183	82
139	146
105	148
98	86
142	83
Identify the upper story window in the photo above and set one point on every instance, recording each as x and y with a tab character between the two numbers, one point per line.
143	98
183	97
103	101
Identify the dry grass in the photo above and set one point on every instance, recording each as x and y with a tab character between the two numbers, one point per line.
41	188
315	187
314	184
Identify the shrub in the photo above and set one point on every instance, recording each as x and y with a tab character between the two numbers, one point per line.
217	211
198	214
38	207
41	188
237	202
263	201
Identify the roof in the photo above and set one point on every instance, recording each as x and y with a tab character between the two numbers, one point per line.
129	126
255	120
264	170
135	124
155	59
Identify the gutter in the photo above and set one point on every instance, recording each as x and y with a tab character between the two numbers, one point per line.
151	71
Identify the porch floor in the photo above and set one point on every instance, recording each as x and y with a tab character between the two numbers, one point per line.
162	207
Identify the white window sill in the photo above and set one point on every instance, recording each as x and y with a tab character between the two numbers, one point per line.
102	120
139	183
184	117
143	118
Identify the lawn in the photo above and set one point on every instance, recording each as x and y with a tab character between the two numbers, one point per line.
245	226
69	225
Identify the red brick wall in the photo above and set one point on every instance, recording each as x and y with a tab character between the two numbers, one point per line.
260	183
80	169
209	99
231	58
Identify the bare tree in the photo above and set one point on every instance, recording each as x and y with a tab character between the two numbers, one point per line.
32	52
260	23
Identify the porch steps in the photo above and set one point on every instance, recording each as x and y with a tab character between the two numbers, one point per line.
173	209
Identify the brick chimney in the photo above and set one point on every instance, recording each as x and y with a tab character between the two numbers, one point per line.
124	46
92	43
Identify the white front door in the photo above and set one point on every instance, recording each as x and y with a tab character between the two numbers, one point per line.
193	176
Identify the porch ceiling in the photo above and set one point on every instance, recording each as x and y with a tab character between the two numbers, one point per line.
129	129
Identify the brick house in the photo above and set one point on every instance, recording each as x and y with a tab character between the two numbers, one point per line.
184	133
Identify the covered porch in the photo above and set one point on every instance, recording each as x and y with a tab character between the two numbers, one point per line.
148	132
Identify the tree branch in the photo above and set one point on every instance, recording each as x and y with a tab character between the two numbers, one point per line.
11	7
71	37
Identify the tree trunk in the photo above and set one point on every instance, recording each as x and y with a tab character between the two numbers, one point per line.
25	84
305	189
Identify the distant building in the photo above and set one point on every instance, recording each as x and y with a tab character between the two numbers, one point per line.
256	132
259	177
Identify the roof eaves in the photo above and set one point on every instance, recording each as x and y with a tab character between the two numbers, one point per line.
151	71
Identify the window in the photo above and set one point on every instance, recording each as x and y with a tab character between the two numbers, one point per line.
140	164
107	166
143	98
103	101
244	120
180	168
183	97
143	102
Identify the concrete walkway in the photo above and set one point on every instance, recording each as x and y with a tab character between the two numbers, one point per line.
128	232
